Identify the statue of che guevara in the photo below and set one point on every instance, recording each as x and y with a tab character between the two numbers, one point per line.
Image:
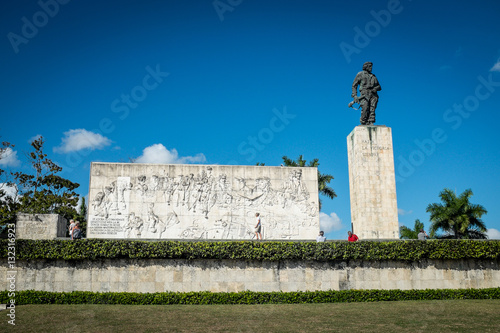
368	97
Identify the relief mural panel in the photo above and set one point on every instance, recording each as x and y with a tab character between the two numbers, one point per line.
155	201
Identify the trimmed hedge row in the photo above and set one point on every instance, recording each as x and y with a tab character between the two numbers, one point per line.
248	250
246	297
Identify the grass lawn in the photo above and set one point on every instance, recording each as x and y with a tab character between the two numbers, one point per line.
411	316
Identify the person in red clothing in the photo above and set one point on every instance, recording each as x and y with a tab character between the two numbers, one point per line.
352	237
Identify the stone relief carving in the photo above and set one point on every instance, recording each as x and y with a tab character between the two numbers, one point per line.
202	206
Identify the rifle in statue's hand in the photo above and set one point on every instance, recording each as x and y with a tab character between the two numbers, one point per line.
355	100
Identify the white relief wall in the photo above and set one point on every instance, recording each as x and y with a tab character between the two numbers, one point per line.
155	201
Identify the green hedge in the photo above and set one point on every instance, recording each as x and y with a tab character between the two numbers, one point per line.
248	250
246	297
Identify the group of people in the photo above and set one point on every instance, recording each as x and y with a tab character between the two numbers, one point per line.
75	232
321	237
422	235
350	237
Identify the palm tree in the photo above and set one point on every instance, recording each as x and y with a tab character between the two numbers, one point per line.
457	216
407	233
323	179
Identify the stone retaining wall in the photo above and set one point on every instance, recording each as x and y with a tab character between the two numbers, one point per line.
160	275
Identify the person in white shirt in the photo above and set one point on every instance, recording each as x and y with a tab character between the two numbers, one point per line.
70	228
321	237
422	235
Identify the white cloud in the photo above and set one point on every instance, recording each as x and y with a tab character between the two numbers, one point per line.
79	203
10	191
496	67
330	222
493	234
404	212
158	154
78	139
33	138
8	158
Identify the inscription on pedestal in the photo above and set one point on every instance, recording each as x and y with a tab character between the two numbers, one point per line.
372	148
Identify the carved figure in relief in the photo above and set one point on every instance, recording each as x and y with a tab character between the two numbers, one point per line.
309	208
263	185
246	193
212	193
177	190
138	226
170	220
141	185
208	196
98	204
196	194
135	224
189	194
168	189
182	190
109	201
224	197
155	183
293	190
272	230
153	219
202	192
121	188
129	226
154	186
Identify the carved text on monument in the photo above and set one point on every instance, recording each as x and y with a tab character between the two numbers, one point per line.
373	147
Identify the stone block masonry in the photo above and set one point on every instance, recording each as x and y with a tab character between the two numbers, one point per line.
161	275
40	226
372	183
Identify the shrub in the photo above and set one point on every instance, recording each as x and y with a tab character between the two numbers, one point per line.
245	297
90	249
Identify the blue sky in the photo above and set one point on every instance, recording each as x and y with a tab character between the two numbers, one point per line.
241	82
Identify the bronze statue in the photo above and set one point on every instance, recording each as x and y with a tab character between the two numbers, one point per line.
368	97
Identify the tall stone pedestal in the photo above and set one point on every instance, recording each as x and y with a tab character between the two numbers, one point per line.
372	183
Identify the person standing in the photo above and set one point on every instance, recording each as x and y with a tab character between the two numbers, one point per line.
77	232
368	96
321	237
352	237
258	226
422	235
70	228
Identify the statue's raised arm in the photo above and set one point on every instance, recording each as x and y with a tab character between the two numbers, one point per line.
368	97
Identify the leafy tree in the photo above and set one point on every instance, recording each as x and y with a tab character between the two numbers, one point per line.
459	218
45	192
323	179
82	216
407	233
8	208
